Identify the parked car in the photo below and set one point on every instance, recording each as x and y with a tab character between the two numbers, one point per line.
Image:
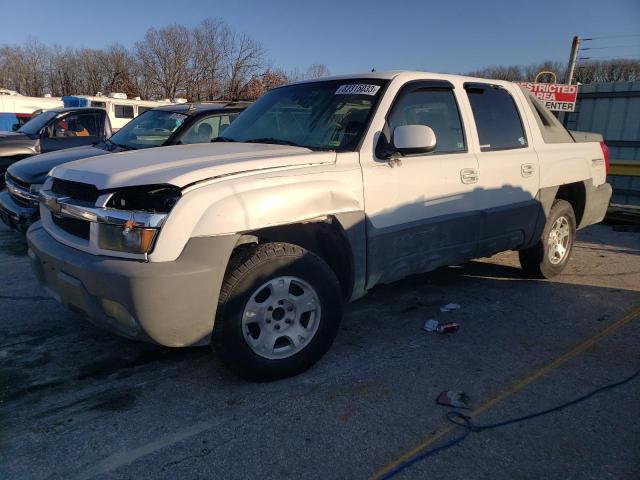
119	108
55	129
167	125
318	192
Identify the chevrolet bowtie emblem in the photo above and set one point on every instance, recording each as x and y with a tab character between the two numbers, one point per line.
53	203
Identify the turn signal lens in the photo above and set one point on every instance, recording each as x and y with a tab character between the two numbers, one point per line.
122	239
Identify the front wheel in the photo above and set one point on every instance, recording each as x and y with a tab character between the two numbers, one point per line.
279	310
550	255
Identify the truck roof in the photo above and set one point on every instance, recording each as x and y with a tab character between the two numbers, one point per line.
407	74
75	109
203	107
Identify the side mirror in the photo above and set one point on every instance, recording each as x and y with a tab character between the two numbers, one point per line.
15	127
414	139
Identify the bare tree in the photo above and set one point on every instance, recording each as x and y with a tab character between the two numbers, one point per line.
244	62
211	47
317	70
164	55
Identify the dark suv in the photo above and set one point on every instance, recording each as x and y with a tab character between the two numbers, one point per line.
158	127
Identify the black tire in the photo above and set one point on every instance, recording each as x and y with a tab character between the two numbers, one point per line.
535	261
247	271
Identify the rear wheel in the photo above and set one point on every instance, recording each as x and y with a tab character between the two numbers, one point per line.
279	310
550	255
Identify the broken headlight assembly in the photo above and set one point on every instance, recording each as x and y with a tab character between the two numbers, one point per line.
133	217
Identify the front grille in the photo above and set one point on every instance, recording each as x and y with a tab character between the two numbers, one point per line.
19	183
19	192
73	226
21	201
75	190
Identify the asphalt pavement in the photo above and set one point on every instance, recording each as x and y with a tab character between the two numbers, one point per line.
77	402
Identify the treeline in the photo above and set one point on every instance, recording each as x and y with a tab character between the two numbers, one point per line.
592	71
208	62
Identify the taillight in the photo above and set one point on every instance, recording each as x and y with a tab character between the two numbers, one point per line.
605	153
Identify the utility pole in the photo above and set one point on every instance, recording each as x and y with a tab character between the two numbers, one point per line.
575	46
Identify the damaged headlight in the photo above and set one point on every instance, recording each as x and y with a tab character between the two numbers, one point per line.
157	199
135	229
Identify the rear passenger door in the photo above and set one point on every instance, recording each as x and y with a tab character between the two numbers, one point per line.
508	178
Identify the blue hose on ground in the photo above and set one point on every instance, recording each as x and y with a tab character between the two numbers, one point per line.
465	422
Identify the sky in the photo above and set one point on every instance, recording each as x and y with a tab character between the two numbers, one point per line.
351	36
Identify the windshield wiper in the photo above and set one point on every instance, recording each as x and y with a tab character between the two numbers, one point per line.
275	141
222	139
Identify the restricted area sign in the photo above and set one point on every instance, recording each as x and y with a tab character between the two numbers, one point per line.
556	97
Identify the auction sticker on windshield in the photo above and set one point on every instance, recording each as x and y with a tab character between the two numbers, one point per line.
357	89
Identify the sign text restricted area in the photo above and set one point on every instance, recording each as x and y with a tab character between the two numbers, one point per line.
556	97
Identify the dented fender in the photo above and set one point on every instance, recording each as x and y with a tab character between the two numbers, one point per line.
247	203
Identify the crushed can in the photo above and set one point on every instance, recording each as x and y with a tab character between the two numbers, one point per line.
448	327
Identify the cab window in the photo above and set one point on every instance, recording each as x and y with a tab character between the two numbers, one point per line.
435	108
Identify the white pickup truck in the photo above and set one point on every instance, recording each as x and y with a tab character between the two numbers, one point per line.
315	194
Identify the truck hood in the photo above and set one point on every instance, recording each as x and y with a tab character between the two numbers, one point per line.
35	169
183	165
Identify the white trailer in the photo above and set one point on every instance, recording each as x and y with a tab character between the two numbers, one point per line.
119	108
16	109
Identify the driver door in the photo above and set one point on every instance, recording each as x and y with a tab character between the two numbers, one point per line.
421	210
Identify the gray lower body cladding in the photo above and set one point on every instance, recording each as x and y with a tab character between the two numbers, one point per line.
424	245
169	303
596	203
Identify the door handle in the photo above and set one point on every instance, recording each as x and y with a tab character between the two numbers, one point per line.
526	169
469	175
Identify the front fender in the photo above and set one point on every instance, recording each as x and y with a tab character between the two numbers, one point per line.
244	204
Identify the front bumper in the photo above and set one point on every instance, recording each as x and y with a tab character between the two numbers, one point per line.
169	303
16	216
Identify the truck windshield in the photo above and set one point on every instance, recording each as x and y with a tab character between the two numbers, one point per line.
324	115
149	129
33	126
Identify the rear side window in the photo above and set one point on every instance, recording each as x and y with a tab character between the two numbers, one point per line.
434	108
123	111
497	118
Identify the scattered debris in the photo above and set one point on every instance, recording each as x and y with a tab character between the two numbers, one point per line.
449	307
448	327
449	398
431	325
